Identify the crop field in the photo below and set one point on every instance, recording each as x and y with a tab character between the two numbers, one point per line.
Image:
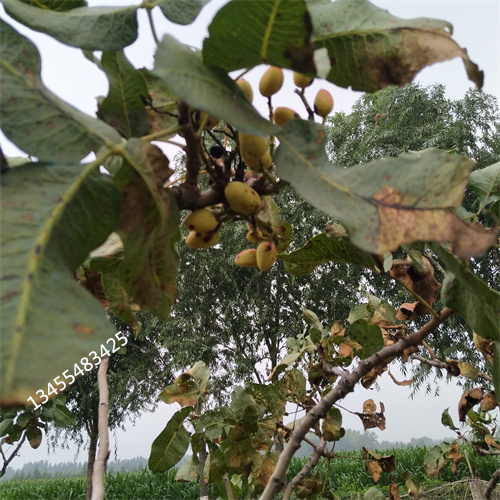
345	479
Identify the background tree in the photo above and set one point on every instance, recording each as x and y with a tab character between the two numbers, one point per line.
136	376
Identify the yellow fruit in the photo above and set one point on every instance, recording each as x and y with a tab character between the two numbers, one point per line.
202	240
271	81
246	87
323	103
284	115
302	81
255	237
242	198
252	148
201	220
246	258
266	161
266	255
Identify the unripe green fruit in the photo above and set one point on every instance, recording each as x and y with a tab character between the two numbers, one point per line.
202	240
252	148
202	221
266	255
246	87
246	258
323	103
242	198
283	115
266	161
271	81
302	81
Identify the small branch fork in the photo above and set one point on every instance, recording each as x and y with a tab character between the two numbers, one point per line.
7	461
345	385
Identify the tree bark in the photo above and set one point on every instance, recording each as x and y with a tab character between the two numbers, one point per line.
103	453
94	434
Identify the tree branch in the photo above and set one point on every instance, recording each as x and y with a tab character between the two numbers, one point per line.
98	492
345	385
7	461
439	364
318	452
491	486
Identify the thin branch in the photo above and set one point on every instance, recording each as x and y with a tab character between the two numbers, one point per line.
98	492
229	490
304	472
439	364
491	486
7	461
345	386
152	25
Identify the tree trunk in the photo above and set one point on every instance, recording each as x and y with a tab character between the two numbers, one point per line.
91	455
98	492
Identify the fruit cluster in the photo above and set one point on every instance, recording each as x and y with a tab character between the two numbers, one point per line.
256	155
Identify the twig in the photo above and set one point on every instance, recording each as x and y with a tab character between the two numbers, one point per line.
318	451
439	364
345	385
229	490
152	25
98	492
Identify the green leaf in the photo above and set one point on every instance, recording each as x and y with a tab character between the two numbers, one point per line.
52	217
206	88
436	458
181	11
447	421
188	471
290	360
332	425
322	248
124	108
34	435
368	335
375	311
59	5
5	426
414	488
62	416
384	203
469	296
172	443
373	494
90	28
163	114
272	32
35	119
370	49
486	184
148	227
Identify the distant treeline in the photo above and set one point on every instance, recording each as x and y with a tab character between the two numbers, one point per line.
352	441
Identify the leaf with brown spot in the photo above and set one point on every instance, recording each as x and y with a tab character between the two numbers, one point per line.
491	442
370	49
373	419
369	406
407	311
148	227
469	399
414	487
468	370
436	458
379	214
381	463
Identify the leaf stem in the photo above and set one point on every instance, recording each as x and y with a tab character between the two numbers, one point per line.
152	25
162	133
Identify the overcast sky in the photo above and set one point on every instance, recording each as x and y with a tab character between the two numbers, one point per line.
476	27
